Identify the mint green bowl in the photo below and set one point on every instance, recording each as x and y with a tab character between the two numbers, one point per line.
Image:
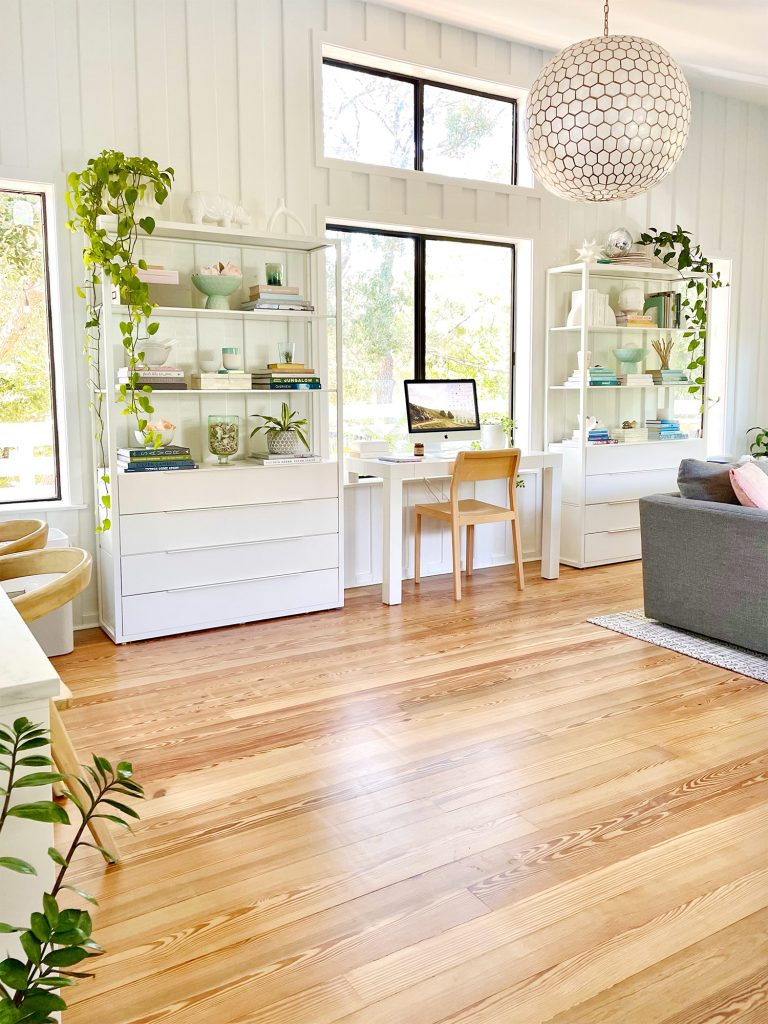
217	287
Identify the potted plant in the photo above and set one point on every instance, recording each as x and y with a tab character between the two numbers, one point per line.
496	430
758	448
284	432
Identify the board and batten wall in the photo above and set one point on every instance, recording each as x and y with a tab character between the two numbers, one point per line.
226	93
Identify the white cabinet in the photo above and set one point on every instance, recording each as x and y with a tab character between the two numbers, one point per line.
602	484
234	543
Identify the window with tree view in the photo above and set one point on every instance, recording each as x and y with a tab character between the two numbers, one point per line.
376	117
28	450
424	307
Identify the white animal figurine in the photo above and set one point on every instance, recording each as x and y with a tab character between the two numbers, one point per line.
201	206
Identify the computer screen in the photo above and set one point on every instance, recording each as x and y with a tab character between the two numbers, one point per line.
441	406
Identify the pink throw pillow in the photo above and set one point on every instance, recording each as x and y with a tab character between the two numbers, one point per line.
751	485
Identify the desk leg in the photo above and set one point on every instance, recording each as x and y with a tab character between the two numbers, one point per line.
551	498
392	562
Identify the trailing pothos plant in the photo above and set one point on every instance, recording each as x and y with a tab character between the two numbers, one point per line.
57	939
758	446
677	249
114	184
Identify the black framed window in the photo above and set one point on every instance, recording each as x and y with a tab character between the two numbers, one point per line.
427	307
29	450
379	117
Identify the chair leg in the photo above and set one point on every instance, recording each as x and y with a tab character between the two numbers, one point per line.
470	548
417	550
456	549
65	757
517	545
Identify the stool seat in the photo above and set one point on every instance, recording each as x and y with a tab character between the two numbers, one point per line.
479	511
22	535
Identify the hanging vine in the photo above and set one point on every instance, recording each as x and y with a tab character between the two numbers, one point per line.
114	184
677	250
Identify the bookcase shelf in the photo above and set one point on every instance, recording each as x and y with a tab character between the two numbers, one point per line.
231	314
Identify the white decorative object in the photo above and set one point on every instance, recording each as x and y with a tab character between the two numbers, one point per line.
281	210
210	206
588	252
164	428
631	300
600	312
156	352
618	243
581	361
607	118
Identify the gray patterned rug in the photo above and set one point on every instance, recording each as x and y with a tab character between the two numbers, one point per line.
714	652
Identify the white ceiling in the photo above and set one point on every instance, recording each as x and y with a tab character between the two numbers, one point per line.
722	44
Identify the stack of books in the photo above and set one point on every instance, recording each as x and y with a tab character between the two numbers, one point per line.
637	380
285	380
232	380
665	430
636	320
151	460
165	378
597	435
363	448
631	435
661	377
598	376
633	258
298	459
665	308
272	296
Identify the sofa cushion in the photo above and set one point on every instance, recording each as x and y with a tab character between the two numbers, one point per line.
751	485
705	481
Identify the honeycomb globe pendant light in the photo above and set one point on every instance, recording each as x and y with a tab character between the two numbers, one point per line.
607	118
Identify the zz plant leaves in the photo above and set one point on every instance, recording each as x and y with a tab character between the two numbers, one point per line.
114	184
57	938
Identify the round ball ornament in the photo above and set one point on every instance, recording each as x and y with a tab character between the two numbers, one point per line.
607	118
618	242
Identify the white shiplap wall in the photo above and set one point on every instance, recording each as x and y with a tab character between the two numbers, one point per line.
226	93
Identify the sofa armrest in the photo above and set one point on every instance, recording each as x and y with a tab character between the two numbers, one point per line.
705	568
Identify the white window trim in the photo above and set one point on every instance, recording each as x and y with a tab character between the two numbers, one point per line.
65	370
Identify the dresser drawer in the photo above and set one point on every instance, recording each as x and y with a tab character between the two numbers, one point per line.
224	487
213	527
628	486
619	546
612	515
616	458
181	611
195	567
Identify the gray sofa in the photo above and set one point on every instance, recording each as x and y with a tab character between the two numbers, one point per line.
705	568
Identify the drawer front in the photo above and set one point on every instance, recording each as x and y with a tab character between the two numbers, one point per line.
612	547
612	515
177	570
210	527
615	458
201	607
629	486
225	487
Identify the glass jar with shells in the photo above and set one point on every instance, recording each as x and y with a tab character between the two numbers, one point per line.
223	437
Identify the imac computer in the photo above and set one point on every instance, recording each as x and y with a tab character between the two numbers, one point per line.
442	412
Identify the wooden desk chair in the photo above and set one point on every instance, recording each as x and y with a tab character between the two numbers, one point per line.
22	535
75	565
468	512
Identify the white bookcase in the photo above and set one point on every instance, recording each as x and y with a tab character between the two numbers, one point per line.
602	484
225	544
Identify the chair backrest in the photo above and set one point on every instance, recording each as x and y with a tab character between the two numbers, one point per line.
493	465
74	565
22	535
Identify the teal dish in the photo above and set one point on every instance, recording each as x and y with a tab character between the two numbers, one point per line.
217	287
629	357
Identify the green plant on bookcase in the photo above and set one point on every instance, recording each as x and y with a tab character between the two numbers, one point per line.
758	446
114	184
57	939
677	249
283	430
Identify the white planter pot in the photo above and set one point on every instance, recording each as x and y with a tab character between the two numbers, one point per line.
493	436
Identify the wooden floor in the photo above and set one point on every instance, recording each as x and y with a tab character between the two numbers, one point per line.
485	812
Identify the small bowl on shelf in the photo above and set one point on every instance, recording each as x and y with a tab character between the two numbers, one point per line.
217	287
628	357
166	435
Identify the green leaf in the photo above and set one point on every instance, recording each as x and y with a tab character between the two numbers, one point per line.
38	779
147	224
39	741
51	908
34	761
13	973
56	857
40	926
32	947
14	864
7	929
121	807
65	957
82	893
43	810
43	1002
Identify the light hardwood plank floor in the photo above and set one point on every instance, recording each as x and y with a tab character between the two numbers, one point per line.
480	813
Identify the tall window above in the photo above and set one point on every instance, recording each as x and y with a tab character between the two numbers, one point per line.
29	458
377	117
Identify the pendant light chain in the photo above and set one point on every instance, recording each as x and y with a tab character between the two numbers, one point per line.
605	19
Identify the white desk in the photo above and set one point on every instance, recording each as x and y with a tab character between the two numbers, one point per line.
394	474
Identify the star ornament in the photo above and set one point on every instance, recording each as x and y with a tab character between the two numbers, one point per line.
588	252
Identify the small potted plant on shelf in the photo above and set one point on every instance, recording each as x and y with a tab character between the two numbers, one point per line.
758	447
284	432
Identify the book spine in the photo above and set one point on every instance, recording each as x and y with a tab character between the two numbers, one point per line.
157	469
